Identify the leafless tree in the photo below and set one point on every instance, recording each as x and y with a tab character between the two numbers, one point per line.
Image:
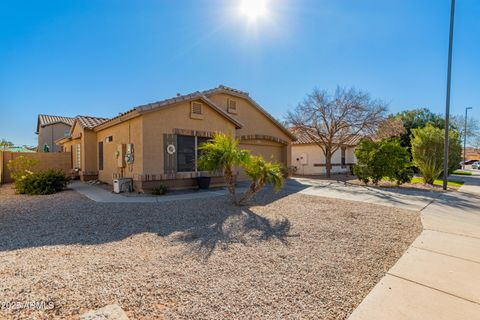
389	128
473	126
332	121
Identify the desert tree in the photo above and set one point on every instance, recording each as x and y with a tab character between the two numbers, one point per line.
390	128
473	127
333	120
417	118
5	144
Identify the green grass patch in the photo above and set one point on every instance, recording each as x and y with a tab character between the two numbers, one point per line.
438	182
462	173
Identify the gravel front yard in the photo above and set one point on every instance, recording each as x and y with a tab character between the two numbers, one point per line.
290	256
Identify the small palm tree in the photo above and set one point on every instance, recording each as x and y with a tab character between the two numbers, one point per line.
221	153
262	172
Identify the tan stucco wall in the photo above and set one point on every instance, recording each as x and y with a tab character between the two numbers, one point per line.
89	151
315	156
66	148
254	121
156	123
49	134
130	131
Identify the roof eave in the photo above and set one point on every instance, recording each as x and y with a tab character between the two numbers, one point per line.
116	120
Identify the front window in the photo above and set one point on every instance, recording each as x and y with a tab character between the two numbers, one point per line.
343	156
188	153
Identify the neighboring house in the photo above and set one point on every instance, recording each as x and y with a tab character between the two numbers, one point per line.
157	143
50	129
81	143
308	158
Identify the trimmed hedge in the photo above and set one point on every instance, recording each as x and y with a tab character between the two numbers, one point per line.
42	182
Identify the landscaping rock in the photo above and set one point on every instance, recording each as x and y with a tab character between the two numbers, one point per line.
288	256
110	312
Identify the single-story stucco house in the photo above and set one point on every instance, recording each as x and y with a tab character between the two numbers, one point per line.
309	159
157	143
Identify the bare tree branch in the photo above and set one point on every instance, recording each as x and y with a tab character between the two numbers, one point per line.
332	121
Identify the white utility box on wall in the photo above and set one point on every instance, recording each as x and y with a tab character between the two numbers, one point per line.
122	185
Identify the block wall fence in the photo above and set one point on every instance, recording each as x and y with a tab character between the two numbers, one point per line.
47	160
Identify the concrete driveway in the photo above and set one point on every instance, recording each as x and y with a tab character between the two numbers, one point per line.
401	198
438	277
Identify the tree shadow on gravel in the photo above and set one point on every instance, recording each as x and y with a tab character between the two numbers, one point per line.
245	228
203	226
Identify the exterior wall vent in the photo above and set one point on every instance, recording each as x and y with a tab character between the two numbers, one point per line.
232	106
196	110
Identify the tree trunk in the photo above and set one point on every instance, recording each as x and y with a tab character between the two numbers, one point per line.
252	190
328	163
230	180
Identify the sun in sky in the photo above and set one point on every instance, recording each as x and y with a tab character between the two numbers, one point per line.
254	9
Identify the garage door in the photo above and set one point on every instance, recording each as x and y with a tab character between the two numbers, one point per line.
268	152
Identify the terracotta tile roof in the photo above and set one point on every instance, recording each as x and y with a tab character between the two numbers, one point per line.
90	122
203	95
180	98
303	138
45	120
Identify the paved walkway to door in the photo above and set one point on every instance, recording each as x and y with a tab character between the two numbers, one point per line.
99	194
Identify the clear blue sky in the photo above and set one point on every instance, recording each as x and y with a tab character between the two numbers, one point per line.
102	57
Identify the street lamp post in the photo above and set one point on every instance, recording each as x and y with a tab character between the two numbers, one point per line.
465	137
447	104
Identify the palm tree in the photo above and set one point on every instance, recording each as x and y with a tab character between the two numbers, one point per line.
262	172
5	144
221	153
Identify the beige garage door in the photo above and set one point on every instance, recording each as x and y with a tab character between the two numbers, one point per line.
274	153
268	152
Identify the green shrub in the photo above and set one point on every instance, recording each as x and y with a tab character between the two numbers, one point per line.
160	190
21	166
385	159
427	151
404	176
42	182
362	171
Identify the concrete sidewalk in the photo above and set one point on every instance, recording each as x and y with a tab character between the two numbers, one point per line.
439	275
400	198
98	194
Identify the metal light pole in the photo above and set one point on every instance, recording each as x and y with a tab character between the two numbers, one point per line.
447	105
465	137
